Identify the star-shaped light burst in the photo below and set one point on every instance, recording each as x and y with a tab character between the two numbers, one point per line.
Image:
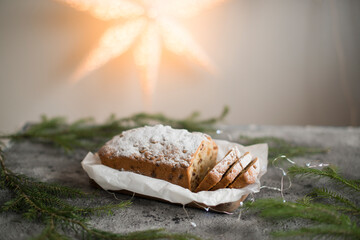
149	25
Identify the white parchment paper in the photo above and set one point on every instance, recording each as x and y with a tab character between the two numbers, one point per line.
112	179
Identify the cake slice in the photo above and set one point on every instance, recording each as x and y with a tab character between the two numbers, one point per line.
174	155
247	176
233	171
217	172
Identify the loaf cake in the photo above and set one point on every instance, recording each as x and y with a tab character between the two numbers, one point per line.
216	173
174	155
234	171
247	176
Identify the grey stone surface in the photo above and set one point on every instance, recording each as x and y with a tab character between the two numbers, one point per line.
51	164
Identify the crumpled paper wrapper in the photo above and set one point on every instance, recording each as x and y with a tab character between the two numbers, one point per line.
115	180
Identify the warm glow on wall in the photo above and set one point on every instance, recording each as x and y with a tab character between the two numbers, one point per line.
150	25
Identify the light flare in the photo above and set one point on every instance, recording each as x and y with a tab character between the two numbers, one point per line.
150	25
187	8
179	41
147	56
107	9
113	43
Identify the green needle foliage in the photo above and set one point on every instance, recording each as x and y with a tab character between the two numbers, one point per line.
330	172
278	147
330	213
47	203
345	204
85	133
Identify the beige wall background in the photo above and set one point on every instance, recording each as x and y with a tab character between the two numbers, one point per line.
279	62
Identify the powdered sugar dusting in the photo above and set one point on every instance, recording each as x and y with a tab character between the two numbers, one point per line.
161	144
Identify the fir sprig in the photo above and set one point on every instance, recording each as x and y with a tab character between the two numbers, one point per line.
87	134
347	204
47	203
322	217
330	213
329	172
279	146
278	209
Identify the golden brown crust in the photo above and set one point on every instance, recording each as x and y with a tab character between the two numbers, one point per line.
217	172
176	174
247	176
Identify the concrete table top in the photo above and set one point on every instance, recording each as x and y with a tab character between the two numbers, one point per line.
47	163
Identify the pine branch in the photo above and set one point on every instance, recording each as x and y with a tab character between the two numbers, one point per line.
325	220
44	202
85	133
328	172
336	217
278	147
277	209
324	193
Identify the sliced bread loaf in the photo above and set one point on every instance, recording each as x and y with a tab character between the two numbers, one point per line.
174	155
233	171
217	172
247	176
